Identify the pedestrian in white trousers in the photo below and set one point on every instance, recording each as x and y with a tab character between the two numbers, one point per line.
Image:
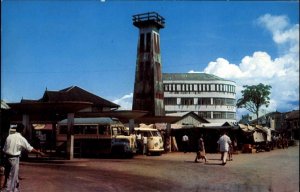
12	150
224	142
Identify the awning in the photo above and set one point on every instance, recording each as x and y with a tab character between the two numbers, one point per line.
46	127
258	136
246	128
142	125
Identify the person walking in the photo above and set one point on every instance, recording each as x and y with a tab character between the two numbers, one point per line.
224	142
139	142
145	147
235	145
12	150
185	143
201	150
230	152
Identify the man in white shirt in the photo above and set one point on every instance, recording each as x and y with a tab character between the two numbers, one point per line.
139	142
223	143
185	142
12	151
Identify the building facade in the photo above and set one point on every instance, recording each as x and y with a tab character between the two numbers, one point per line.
209	96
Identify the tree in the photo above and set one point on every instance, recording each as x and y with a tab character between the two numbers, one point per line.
254	97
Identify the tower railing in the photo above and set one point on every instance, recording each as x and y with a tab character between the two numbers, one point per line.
150	16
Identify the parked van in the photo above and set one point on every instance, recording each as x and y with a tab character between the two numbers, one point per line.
155	143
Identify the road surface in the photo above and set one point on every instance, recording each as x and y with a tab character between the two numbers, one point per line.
276	171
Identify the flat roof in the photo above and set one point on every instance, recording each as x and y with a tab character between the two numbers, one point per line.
92	120
191	77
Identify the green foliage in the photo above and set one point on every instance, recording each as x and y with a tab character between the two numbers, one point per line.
254	97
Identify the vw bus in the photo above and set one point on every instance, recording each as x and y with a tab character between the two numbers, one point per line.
155	143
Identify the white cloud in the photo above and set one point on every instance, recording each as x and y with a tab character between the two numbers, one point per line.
281	73
273	23
125	102
192	71
222	68
280	28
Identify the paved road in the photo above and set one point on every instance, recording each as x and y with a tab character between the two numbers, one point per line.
276	171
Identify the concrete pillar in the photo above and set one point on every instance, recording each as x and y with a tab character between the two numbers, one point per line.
131	126
70	137
53	137
28	128
168	136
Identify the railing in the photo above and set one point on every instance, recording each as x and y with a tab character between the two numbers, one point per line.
150	16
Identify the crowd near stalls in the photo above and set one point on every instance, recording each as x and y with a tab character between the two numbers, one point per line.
211	134
246	138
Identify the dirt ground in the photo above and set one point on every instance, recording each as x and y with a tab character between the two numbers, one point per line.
276	171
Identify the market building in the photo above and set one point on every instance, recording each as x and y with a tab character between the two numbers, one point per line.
209	96
286	123
292	124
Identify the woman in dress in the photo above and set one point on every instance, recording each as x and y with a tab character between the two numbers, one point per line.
201	150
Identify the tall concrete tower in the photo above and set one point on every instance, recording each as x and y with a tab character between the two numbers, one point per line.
148	85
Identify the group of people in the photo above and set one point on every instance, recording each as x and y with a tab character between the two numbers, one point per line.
225	146
280	141
12	149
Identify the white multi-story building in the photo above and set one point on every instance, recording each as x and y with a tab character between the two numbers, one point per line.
211	97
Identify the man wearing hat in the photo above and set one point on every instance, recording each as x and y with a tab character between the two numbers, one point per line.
12	150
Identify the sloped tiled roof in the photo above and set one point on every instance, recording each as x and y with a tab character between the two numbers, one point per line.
28	101
292	115
191	77
197	117
75	93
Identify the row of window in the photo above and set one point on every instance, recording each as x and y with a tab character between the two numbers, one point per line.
199	101
215	114
223	115
199	87
91	129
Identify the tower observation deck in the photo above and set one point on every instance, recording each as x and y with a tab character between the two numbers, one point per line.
148	19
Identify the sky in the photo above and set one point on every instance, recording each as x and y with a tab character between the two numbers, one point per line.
93	45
